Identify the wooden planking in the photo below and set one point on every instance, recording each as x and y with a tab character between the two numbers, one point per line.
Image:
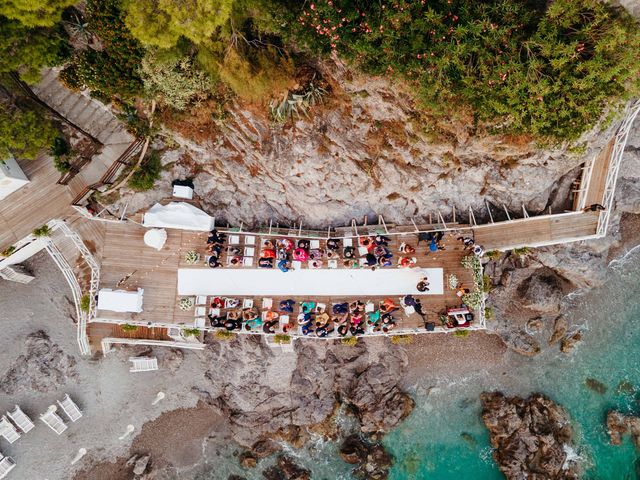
97	331
34	204
537	230
598	178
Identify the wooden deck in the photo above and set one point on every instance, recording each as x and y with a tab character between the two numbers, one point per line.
98	331
129	264
594	179
537	231
34	204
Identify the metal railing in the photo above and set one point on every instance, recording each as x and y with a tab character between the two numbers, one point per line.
621	137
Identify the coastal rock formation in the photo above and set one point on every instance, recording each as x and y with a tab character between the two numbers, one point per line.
264	399
372	460
43	368
619	424
530	436
286	469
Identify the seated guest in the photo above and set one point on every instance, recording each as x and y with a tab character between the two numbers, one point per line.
350	263
268	253
371	260
315	264
283	265
300	254
287	305
382	251
235	251
307	328
213	262
356	330
268	244
269	327
249	314
286	244
316	254
332	255
406	262
333	244
340	308
406	248
349	252
270	315
265	263
215	237
423	285
304	244
322	319
282	254
217	321
409	301
356	319
343	329
387	306
232	324
381	240
217	302
366	242
235	261
373	317
384	262
214	249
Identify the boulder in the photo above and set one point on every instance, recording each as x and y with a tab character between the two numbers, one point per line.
569	342
141	465
529	436
372	461
247	460
286	469
520	342
541	292
619	424
560	327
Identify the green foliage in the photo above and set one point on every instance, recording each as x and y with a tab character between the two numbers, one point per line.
257	74
126	327
521	252
488	313
85	304
486	283
224	335
462	333
137	125
190	332
161	23
146	175
349	341
34	13
24	134
280	338
296	103
545	69
8	251
42	231
60	147
175	80
26	50
402	339
473	300
113	70
493	254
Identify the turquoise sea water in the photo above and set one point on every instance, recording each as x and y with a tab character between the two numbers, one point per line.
444	437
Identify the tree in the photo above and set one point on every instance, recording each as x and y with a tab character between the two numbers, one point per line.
161	23
175	80
27	50
24	134
35	13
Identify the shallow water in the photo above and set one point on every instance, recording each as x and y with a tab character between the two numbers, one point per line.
444	438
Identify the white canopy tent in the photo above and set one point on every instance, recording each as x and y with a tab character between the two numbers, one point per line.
120	300
155	238
179	215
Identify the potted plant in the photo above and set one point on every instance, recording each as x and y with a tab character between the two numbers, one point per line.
8	251
185	303
190	332
191	257
453	281
42	231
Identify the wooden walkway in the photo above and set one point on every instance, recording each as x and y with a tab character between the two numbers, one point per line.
594	179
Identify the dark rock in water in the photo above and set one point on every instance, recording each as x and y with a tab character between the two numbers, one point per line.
625	388
264	448
467	437
286	469
521	342
596	386
570	341
372	460
236	477
619	424
529	436
560	328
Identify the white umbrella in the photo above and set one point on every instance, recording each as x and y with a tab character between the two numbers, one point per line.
155	238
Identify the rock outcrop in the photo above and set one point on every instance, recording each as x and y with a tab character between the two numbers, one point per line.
43	368
619	424
286	469
264	398
371	459
530	436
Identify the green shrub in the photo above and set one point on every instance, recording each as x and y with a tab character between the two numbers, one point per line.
547	69
8	251
462	333
190	332
521	252
402	339
349	341
24	134
127	327
488	313
493	254
61	164
281	338
42	231
224	335
85	303
60	147
144	178
486	283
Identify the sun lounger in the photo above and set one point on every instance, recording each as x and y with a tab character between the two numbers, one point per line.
267	303
53	420
70	408
6	465
143	364
23	422
8	431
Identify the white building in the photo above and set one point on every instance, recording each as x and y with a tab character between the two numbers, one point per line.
12	177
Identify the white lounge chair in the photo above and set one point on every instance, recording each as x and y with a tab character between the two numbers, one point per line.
234	239
6	465
143	364
8	431
247	261
53	420
247	303
362	250
201	300
249	240
347	242
296	264
267	303
249	251
215	312
332	264
315	244
70	408
199	322
200	311
23	422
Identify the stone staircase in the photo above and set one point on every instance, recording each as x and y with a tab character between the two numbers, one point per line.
91	116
